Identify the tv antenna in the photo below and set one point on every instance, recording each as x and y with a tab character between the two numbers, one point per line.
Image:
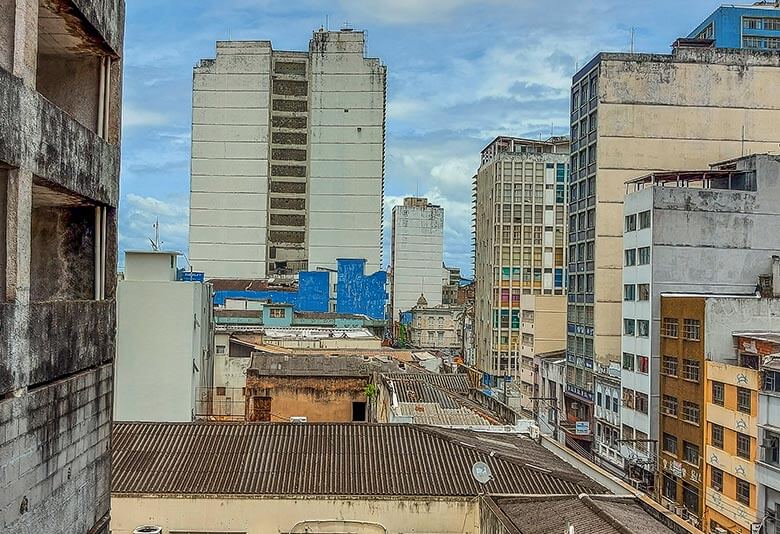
481	472
156	241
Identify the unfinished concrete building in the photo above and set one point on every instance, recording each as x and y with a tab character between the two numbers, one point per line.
60	86
287	157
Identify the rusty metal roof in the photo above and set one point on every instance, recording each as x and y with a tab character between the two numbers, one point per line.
455	382
589	514
348	459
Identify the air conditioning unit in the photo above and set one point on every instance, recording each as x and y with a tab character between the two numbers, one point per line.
298	419
148	529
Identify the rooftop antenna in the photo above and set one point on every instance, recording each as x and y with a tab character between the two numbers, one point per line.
156	241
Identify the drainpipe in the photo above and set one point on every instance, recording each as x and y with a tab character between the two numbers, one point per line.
107	98
101	98
98	253
103	231
776	276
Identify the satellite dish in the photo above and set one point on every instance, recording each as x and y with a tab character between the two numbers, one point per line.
481	472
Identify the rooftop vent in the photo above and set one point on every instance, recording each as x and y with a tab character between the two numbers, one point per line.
148	529
684	42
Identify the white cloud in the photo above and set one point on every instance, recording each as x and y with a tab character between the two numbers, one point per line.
410	11
134	117
139	215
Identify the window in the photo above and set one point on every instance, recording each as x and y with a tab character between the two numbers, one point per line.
743	400
718	390
669	327
771	381
628	361
629	327
670	487
642	364
743	492
670	444
221	391
691	370
691	329
644	255
691	453
771	449
629	292
220	349
691	412
644	291
277	313
644	220
630	223
640	402
628	398
643	328
716	479
669	405
716	434
670	365
630	256
691	498
743	445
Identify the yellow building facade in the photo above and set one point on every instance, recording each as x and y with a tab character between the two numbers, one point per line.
731	395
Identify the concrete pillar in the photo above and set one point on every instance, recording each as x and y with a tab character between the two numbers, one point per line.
25	62
776	276
19	217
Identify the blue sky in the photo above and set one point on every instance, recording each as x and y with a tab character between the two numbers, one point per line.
460	72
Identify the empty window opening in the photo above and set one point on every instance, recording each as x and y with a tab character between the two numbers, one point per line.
74	65
68	246
358	411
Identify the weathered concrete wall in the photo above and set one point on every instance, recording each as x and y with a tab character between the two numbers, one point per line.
62	262
268	515
73	83
41	137
320	399
55	368
54	455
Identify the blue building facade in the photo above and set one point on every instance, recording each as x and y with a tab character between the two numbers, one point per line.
755	27
356	292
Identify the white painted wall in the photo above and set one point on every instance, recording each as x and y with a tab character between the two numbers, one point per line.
417	255
346	151
162	335
228	199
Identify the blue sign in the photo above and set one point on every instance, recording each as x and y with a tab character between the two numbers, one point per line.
582	428
191	276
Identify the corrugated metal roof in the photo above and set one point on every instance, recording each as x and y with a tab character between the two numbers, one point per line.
346	459
457	382
588	515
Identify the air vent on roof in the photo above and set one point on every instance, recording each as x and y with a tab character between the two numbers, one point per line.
148	529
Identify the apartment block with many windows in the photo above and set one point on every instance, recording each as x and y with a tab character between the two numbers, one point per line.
634	114
741	199
708	422
754	26
520	256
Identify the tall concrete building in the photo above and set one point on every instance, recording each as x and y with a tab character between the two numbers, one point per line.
164	335
287	157
520	257
739	198
60	113
755	26
634	114
417	251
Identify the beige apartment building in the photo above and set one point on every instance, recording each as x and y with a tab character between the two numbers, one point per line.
520	255
633	114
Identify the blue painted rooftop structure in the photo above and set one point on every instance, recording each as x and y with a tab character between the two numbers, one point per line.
755	27
359	294
356	292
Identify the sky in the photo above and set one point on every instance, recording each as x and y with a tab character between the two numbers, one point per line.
460	72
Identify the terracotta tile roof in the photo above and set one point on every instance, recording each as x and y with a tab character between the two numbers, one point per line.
229	284
348	459
593	514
